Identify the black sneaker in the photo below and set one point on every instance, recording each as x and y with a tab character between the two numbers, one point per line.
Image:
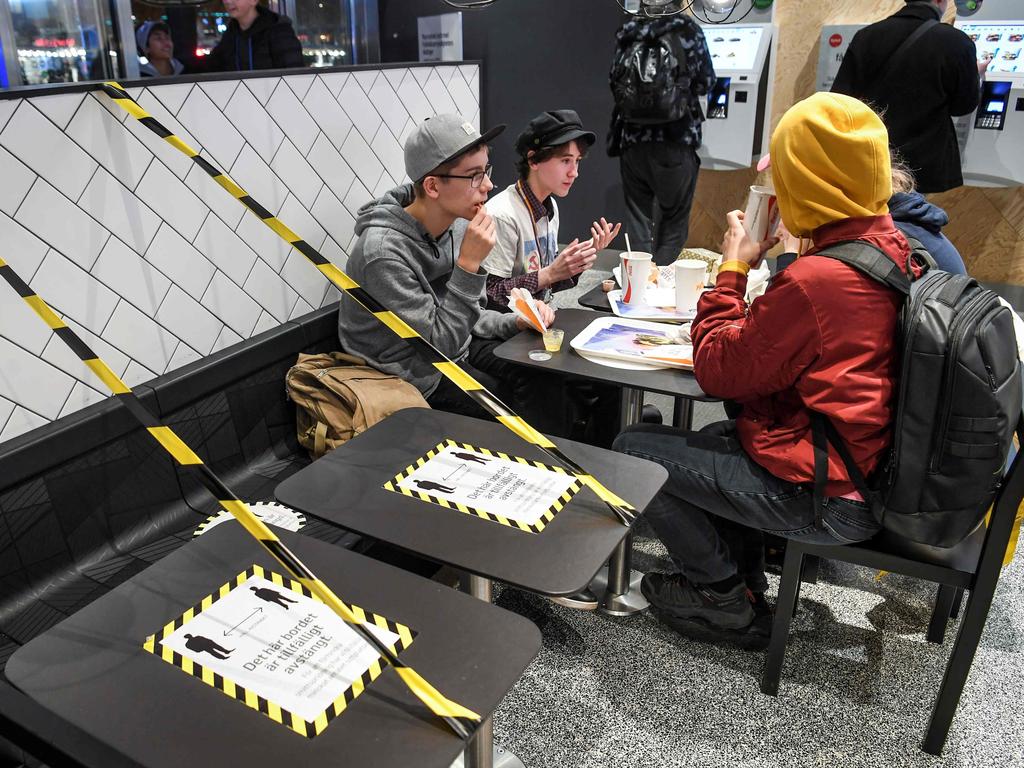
763	614
702	613
651	414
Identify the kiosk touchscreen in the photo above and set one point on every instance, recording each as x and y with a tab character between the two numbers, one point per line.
991	137
739	107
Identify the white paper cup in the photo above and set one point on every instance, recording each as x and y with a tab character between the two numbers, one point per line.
690	276
635	268
761	218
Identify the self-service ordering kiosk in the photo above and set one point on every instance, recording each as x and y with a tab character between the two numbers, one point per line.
738	110
992	137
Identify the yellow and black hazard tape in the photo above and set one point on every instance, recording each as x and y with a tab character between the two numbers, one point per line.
467	383
537	527
155	645
449	710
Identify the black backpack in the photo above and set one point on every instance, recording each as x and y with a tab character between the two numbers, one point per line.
650	80
958	403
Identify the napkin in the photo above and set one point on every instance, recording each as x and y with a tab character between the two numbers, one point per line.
523	305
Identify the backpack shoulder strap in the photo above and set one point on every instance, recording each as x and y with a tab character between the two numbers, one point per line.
823	434
872	261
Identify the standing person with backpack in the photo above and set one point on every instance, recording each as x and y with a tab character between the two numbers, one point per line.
822	339
919	74
661	67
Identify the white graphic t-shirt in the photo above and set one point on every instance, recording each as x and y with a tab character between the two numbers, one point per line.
517	250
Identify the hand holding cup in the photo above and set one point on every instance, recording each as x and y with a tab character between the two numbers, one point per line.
737	244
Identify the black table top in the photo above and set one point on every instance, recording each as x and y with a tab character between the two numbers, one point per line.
595	298
345	488
91	668
669	381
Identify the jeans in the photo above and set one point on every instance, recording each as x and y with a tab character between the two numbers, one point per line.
658	181
537	396
717	502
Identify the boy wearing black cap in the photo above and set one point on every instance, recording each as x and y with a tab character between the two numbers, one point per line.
416	254
525	253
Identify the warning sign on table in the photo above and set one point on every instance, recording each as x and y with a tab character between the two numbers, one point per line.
264	640
494	486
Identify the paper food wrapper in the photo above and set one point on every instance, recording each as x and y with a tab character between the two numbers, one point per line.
757	281
525	306
712	259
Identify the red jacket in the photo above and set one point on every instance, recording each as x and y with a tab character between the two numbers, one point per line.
822	338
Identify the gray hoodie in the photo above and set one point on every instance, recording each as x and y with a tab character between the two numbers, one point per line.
397	261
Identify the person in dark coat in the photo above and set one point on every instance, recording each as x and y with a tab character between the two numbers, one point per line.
935	79
256	38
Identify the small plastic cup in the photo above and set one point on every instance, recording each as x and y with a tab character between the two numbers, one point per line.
553	339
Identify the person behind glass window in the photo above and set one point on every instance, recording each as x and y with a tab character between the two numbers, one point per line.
155	43
256	38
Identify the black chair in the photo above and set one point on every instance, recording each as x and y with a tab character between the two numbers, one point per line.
973	565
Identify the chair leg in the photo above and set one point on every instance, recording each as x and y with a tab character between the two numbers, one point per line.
941	613
796	597
954	611
784	608
966	645
812	563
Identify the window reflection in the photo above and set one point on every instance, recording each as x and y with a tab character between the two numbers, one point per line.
61	41
323	27
325	31
207	19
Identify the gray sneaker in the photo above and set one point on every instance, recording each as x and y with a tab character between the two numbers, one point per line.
704	614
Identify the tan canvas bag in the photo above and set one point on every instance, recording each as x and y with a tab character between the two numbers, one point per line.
338	396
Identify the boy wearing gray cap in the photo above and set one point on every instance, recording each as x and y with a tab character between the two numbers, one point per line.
525	214
416	254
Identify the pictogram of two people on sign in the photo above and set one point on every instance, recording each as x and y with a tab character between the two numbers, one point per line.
430	485
201	644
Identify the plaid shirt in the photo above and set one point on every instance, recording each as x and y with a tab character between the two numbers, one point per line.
686	131
499	288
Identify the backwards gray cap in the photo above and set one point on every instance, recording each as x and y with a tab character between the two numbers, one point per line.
439	139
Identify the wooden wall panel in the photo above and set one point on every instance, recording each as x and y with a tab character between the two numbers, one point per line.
986	225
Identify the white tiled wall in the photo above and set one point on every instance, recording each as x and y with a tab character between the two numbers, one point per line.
153	263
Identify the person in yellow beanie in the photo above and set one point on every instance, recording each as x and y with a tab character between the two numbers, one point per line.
820	339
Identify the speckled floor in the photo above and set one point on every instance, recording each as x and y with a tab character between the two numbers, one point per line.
857	687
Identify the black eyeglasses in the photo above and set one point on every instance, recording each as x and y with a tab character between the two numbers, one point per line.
475	180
